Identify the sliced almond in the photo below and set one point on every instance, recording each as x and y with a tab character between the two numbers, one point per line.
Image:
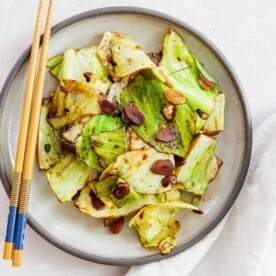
162	167
87	76
133	114
205	83
174	97
167	134
108	107
114	225
72	133
121	190
155	57
95	201
169	111
169	179
124	117
179	161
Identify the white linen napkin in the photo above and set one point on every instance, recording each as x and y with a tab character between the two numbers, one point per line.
240	249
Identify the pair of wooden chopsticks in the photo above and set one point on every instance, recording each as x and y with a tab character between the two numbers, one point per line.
26	145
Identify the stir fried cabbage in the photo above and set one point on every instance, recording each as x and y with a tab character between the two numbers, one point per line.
82	65
49	147
193	175
183	71
69	176
76	101
134	168
123	57
130	134
91	146
138	92
157	226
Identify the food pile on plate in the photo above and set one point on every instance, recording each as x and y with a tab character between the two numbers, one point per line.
127	133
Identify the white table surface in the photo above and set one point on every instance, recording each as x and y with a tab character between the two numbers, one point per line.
244	30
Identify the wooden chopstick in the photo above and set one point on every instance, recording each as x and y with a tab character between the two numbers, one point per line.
19	159
34	105
31	143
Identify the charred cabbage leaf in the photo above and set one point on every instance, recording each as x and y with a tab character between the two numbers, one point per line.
200	123
213	168
104	187
96	126
49	148
78	100
215	122
185	123
57	108
194	173
132	197
83	203
133	167
108	145
82	65
183	71
124	57
55	64
69	176
147	96
156	224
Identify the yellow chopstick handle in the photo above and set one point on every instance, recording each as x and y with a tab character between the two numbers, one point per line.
37	97
25	114
17	258
21	144
31	142
7	253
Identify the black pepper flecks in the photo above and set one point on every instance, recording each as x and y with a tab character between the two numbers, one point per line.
47	147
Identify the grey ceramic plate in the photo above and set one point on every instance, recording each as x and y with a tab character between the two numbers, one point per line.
62	224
